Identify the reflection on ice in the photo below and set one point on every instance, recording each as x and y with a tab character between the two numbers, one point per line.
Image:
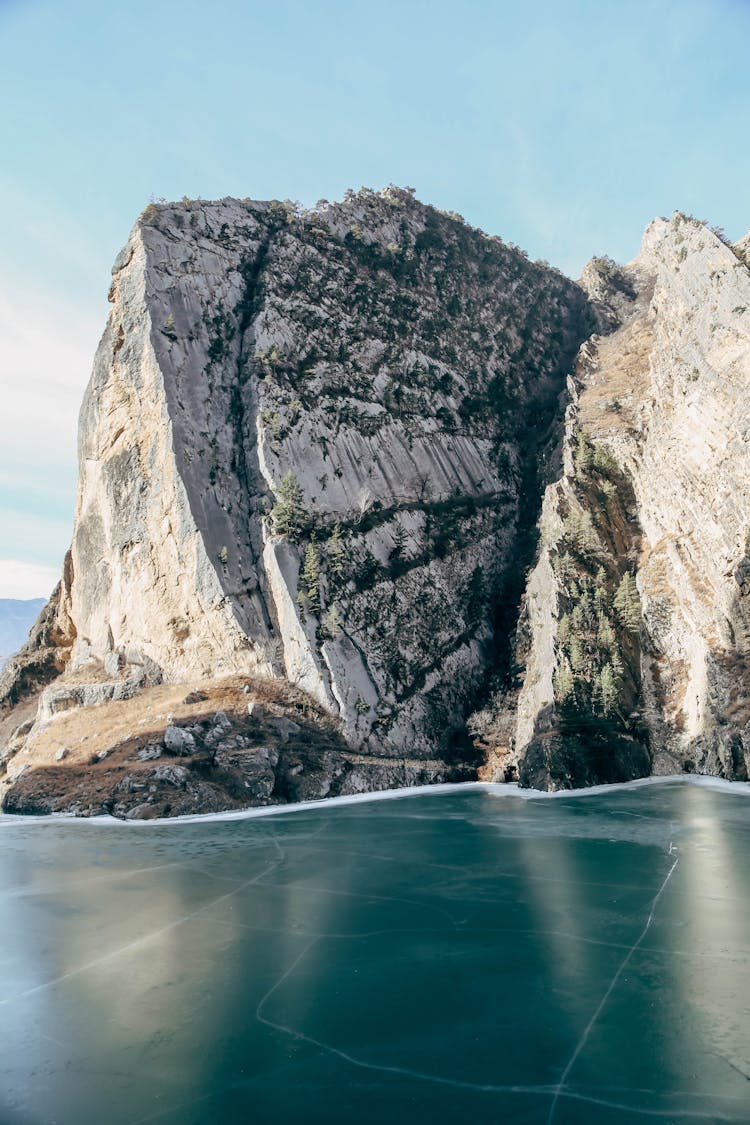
463	956
493	788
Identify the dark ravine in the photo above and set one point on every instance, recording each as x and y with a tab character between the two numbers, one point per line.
485	517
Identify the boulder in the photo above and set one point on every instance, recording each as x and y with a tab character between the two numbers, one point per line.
195	697
283	726
171	775
179	741
150	752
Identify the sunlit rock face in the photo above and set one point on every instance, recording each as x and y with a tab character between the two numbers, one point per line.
337	445
635	633
307	448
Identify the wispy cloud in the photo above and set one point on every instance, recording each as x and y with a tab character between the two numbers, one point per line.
46	349
26	580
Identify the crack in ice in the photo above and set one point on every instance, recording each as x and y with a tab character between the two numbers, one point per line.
136	942
487	1087
612	984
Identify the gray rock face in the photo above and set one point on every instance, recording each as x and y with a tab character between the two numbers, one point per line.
58	700
636	629
284	727
324	445
178	741
149	753
306	450
172	775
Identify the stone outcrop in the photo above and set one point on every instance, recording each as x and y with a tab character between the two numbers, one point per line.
342	447
307	447
634	638
168	754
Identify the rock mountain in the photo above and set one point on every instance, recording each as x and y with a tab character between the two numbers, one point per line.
485	517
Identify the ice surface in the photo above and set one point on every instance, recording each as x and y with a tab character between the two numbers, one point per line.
496	788
449	957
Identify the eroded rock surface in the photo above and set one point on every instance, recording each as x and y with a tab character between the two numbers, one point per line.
634	639
308	445
159	755
335	447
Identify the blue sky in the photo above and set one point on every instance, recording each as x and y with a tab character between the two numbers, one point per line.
562	127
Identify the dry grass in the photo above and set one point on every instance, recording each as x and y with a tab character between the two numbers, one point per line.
620	380
121	727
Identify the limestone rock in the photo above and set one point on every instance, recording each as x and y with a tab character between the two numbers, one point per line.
171	775
196	697
636	622
178	741
284	727
149	753
378	374
378	453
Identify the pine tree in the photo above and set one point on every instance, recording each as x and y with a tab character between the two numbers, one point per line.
577	619
586	538
311	576
628	603
564	683
605	634
577	657
338	561
608	689
288	515
333	622
584	453
601	598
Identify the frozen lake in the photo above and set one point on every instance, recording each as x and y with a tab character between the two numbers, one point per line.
454	957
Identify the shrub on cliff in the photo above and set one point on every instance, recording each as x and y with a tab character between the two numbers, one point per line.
628	603
288	516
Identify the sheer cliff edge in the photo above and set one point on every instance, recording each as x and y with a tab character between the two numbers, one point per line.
480	518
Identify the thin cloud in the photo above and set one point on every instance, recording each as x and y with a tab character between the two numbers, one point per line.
46	349
26	580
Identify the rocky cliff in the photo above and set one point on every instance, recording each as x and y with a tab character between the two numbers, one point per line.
309	449
634	639
331	446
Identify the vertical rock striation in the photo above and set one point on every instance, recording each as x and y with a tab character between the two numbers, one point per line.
634	637
336	446
307	448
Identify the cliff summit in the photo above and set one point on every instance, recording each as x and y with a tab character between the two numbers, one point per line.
482	517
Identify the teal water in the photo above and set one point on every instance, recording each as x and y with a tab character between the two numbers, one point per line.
462	957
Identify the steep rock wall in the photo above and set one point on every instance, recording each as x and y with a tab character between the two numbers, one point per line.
307	448
634	640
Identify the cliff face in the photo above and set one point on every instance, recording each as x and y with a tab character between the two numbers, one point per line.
634	637
307	447
333	446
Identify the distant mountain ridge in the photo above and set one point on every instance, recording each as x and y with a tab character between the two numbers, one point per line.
17	615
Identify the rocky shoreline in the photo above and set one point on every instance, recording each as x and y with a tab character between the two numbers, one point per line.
231	744
490	522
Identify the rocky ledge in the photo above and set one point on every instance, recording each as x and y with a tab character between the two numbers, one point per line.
226	744
487	519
